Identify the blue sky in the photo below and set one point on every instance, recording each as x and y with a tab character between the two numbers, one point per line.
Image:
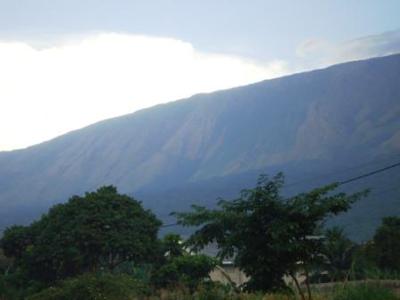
258	29
65	64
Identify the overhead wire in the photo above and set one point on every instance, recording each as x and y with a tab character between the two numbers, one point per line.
336	172
346	181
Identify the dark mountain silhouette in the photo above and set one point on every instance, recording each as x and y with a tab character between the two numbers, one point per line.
317	127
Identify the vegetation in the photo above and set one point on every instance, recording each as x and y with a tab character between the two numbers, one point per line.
104	245
268	236
99	231
364	292
180	267
338	252
93	287
387	244
91	246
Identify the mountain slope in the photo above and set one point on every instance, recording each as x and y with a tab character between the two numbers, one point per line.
310	123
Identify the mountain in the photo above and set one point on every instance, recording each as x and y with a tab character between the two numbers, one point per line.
317	127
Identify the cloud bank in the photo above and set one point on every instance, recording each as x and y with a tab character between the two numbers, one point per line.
47	91
48	88
316	53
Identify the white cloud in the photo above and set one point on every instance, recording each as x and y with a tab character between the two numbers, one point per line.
317	53
45	92
366	47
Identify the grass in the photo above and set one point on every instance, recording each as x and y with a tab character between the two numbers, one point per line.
359	291
120	287
365	291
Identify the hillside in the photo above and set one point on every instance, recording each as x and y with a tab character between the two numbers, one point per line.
317	126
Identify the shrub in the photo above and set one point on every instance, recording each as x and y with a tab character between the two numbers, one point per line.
8	291
188	271
364	292
99	231
210	291
214	291
94	287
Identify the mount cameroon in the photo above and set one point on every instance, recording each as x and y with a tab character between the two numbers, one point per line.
317	127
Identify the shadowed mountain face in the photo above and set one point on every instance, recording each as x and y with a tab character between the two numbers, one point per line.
318	126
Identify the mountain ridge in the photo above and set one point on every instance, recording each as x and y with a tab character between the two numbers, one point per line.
195	96
344	114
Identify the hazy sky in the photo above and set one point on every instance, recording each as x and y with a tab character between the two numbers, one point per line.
67	63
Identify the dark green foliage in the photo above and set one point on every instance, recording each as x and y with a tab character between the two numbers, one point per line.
187	270
339	252
99	231
363	262
172	245
15	241
7	291
387	244
180	267
379	257
5	263
16	285
266	234
94	287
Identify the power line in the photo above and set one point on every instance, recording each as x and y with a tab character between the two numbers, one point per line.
333	173
369	174
339	183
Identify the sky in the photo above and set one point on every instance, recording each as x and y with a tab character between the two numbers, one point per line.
65	64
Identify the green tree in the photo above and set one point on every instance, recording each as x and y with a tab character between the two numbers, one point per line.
181	267
5	263
187	270
98	231
387	244
339	252
172	245
268	235
16	239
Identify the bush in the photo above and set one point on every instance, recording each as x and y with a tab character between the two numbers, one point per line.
96	232
213	291
8	291
94	287
387	244
210	291
5	263
364	292
188	271
16	286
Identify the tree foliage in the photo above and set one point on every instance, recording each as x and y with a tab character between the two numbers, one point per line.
172	246
387	244
187	271
181	267
339	252
100	230
268	236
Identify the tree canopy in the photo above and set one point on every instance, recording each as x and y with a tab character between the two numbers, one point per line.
181	267
387	244
339	252
100	230
268	236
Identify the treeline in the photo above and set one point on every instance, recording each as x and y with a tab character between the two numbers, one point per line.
105	245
